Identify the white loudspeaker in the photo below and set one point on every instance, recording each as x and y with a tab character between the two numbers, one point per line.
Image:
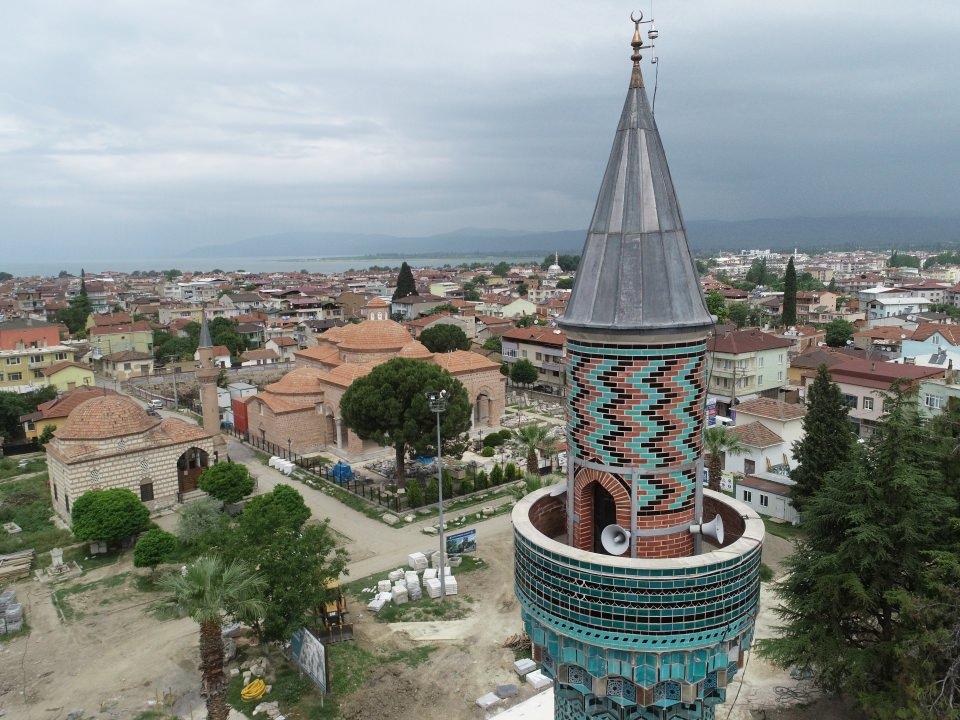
712	529
615	539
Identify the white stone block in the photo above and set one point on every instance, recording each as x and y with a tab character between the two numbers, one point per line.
538	680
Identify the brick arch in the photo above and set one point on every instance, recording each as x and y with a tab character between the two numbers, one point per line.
583	504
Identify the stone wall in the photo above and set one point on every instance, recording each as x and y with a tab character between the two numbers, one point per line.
123	470
304	428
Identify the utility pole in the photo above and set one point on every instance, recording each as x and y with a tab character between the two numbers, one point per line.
438	403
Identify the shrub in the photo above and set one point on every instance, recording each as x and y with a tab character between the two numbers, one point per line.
154	547
466	486
492	440
487	452
414	493
228	482
496	476
432	493
480	481
510	472
201	523
533	483
108	515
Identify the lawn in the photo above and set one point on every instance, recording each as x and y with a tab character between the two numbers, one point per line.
26	501
783	530
10	467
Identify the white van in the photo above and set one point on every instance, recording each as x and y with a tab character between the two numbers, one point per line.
156	404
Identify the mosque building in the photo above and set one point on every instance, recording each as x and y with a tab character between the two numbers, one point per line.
638	587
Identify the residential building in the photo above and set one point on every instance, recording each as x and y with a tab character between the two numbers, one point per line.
67	375
259	357
816	306
126	364
108	339
936	395
413	306
283	346
865	385
467	323
767	496
545	348
744	364
885	305
22	370
26	333
221	356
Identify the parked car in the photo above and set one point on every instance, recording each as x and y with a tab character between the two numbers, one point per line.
156	404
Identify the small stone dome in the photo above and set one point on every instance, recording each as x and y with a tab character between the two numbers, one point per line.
105	417
301	381
373	335
415	351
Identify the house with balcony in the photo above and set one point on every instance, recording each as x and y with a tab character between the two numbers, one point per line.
22	369
865	385
816	306
413	306
745	364
545	348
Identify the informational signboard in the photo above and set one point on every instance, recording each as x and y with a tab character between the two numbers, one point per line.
464	542
310	656
711	412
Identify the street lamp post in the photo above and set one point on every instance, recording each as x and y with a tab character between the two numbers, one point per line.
438	403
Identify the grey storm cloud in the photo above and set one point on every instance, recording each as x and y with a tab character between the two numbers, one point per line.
124	126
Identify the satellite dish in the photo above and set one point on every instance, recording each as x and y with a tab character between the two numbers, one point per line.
615	539
712	529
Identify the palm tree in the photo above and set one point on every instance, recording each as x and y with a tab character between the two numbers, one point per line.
718	440
531	438
209	591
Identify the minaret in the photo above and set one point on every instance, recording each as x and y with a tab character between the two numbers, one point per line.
628	608
207	375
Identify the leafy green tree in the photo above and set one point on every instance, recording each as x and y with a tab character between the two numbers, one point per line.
530	440
501	269
523	372
4	276
108	515
523	289
155	546
826	442
739	314
389	406
496	476
789	312
444	338
832	285
228	482
717	305
565	284
406	285
806	281
839	331
719	441
47	434
282	507
13	405
75	315
494	343
510	472
466	486
898	259
759	273
861	602
211	591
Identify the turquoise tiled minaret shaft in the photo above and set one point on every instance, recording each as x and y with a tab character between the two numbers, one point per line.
657	631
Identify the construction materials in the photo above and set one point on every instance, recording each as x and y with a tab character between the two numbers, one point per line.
450	585
411	576
485	702
379	600
524	666
16	565
400	594
395	575
429	573
507	691
538	680
383	586
417	561
433	587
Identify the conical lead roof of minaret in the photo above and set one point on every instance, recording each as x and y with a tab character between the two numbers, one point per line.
636	271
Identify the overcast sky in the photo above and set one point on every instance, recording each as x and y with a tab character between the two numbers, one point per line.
128	126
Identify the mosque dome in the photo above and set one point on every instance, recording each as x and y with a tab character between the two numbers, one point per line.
415	351
374	335
105	417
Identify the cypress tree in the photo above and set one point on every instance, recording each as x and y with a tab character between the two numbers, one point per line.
869	600
790	294
406	285
827	439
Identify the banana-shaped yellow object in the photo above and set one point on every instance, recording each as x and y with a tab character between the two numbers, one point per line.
255	690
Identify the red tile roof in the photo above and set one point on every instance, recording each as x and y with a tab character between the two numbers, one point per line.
538	335
746	341
773	409
756	434
950	333
879	375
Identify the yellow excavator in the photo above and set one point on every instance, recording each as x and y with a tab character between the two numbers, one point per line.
335	626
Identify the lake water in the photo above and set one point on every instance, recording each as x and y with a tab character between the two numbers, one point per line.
250	264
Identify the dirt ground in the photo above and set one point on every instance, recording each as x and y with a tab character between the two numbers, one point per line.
110	655
110	658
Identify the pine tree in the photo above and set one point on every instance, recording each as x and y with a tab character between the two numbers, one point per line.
406	285
790	294
866	602
827	438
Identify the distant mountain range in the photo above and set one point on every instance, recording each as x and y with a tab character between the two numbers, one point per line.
807	233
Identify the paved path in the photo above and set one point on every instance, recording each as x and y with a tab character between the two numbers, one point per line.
373	546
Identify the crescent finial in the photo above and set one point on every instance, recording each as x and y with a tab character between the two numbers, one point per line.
636	20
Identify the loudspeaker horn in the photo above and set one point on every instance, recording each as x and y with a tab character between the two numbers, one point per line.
712	529
615	539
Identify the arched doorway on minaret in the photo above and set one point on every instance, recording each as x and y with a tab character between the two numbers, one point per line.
600	499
